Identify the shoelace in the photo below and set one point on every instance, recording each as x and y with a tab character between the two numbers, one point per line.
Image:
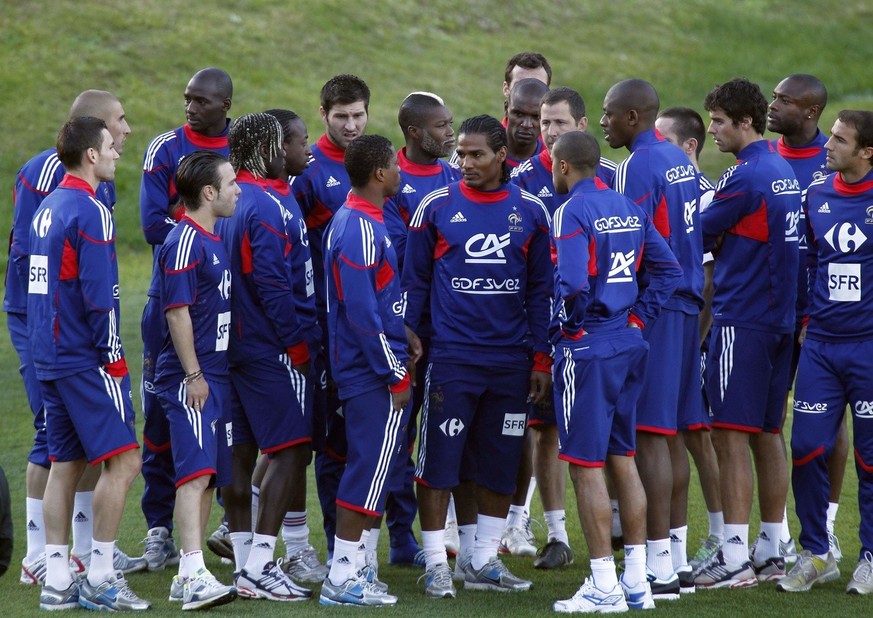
864	569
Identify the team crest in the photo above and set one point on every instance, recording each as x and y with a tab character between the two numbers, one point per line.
515	220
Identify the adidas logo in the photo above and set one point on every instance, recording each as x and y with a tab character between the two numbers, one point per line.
763	536
664	554
458	218
824	208
332	182
408	189
736	540
215	259
56	555
628	551
343	560
674	539
263	546
31	526
80	518
96	552
544	192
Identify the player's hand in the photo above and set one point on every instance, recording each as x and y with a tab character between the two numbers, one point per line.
802	336
415	349
401	399
198	393
540	383
302	368
410	369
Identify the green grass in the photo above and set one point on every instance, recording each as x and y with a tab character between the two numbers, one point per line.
280	53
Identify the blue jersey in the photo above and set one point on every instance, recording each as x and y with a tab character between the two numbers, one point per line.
601	238
265	320
535	176
840	237
158	200
195	273
72	296
367	337
36	179
757	209
659	177
481	261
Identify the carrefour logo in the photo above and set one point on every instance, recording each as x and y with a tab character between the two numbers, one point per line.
845	237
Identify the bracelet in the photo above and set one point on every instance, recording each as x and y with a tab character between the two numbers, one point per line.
193	377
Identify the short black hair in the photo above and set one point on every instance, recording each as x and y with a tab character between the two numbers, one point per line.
415	107
197	170
527	60
863	123
687	124
285	118
76	137
494	132
739	98
344	89
573	99
577	148
364	155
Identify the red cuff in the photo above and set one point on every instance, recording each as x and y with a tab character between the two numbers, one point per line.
118	369
575	337
632	319
299	353
400	386
805	321
543	362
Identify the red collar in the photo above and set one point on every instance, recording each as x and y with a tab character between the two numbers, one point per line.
546	159
204	141
485	197
248	177
197	226
329	149
864	185
356	202
74	182
417	169
790	152
279	185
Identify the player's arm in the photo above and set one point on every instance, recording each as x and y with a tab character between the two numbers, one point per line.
182	333
397	218
634	182
811	258
419	262
573	264
665	275
731	202
538	294
26	200
154	196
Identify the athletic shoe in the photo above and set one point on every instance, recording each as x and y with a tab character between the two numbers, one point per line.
219	542
862	578
590	599
409	554
788	550
33	573
494	576
664	589
52	600
639	596
177	590
271	584
204	591
555	554
304	566
834	546
120	562
516	543
707	550
354	591
160	550
113	595
686	579
438	582
809	570
772	569
370	574
717	574
451	539
461	566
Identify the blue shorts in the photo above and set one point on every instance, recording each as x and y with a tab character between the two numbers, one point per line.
746	378
271	404
17	322
90	415
201	440
543	413
597	385
379	442
472	426
666	402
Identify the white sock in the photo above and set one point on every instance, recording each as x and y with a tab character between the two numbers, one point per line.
263	546
190	563
488	532
342	567
833	507
784	531
716	525
531	488
83	522
57	573
556	521
295	532
242	546
467	537
256	500
434	548
736	544
679	546
35	530
361	554
603	572
450	512
634	564
101	568
767	545
372	557
516	516
616	519
659	559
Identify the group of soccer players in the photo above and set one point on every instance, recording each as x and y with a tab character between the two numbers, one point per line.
527	304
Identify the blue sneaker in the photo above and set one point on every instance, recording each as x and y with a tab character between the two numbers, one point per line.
51	599
113	595
409	554
639	596
589	599
354	591
494	576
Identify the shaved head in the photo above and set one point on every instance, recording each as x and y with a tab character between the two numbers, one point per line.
636	94
105	106
529	88
217	79
808	88
579	149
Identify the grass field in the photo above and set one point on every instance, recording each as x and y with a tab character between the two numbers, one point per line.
279	54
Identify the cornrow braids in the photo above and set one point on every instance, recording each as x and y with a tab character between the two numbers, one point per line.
495	136
248	137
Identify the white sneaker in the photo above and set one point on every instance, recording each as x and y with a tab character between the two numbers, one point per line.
834	546
591	600
517	543
451	539
862	578
33	573
271	584
304	566
204	591
639	596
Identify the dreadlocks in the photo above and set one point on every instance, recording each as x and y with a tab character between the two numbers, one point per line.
495	136
254	139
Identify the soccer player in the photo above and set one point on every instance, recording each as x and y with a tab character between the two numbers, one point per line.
660	178
834	368
368	344
37	179
272	328
600	238
797	104
73	328
191	377
684	127
752	221
208	98
523	121
524	65
477	255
